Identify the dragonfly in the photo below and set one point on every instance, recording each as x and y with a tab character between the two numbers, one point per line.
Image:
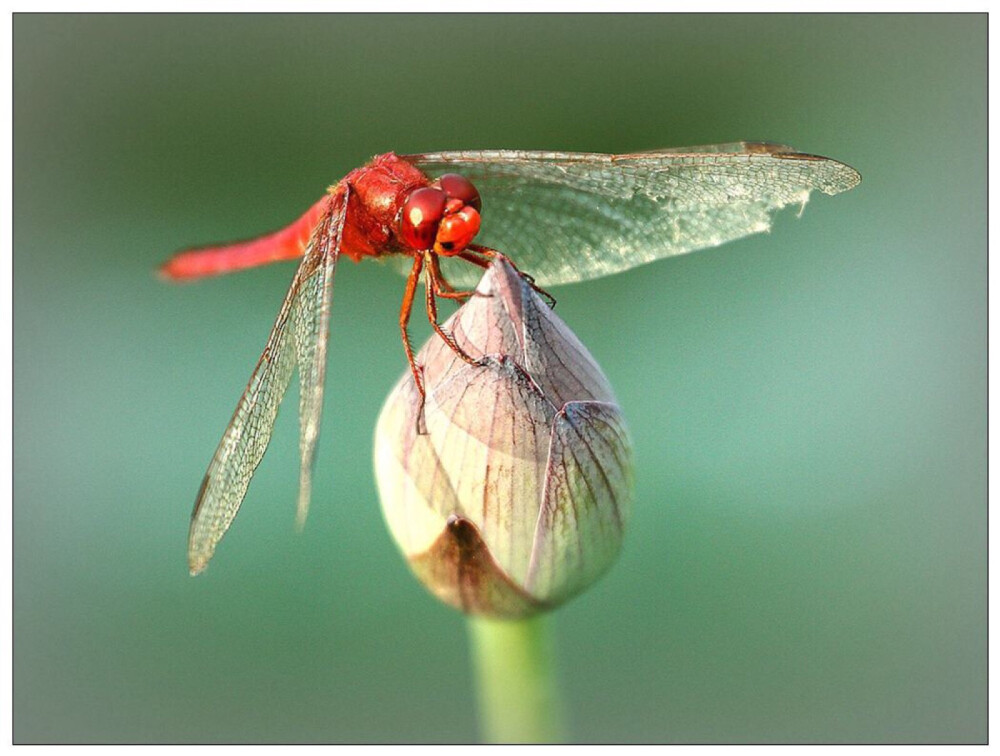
562	217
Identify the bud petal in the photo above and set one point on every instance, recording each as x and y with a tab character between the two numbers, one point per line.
511	492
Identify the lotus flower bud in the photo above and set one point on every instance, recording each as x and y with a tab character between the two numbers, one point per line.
508	489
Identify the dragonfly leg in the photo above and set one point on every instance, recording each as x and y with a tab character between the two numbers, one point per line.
488	253
474	259
433	287
444	289
404	320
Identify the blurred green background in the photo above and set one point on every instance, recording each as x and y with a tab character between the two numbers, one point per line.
807	556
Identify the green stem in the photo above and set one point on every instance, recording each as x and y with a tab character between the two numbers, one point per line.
518	696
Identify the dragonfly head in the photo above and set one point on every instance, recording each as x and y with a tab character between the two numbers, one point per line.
443	217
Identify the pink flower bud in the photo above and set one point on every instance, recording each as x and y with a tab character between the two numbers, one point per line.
509	488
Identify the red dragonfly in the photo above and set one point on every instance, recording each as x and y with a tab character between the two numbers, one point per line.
561	216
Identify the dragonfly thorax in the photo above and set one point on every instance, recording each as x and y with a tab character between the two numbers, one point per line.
443	217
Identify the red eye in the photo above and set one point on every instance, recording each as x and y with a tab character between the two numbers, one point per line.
459	187
421	214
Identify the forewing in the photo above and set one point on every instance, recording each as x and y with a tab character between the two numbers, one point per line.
565	217
298	336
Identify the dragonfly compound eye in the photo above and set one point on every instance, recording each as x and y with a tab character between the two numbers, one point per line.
422	213
459	187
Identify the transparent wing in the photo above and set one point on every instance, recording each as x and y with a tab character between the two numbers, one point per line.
311	329
299	338
565	217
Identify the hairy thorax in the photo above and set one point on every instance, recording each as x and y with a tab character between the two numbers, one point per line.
377	192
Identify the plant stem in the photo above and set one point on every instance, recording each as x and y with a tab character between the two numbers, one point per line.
518	695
